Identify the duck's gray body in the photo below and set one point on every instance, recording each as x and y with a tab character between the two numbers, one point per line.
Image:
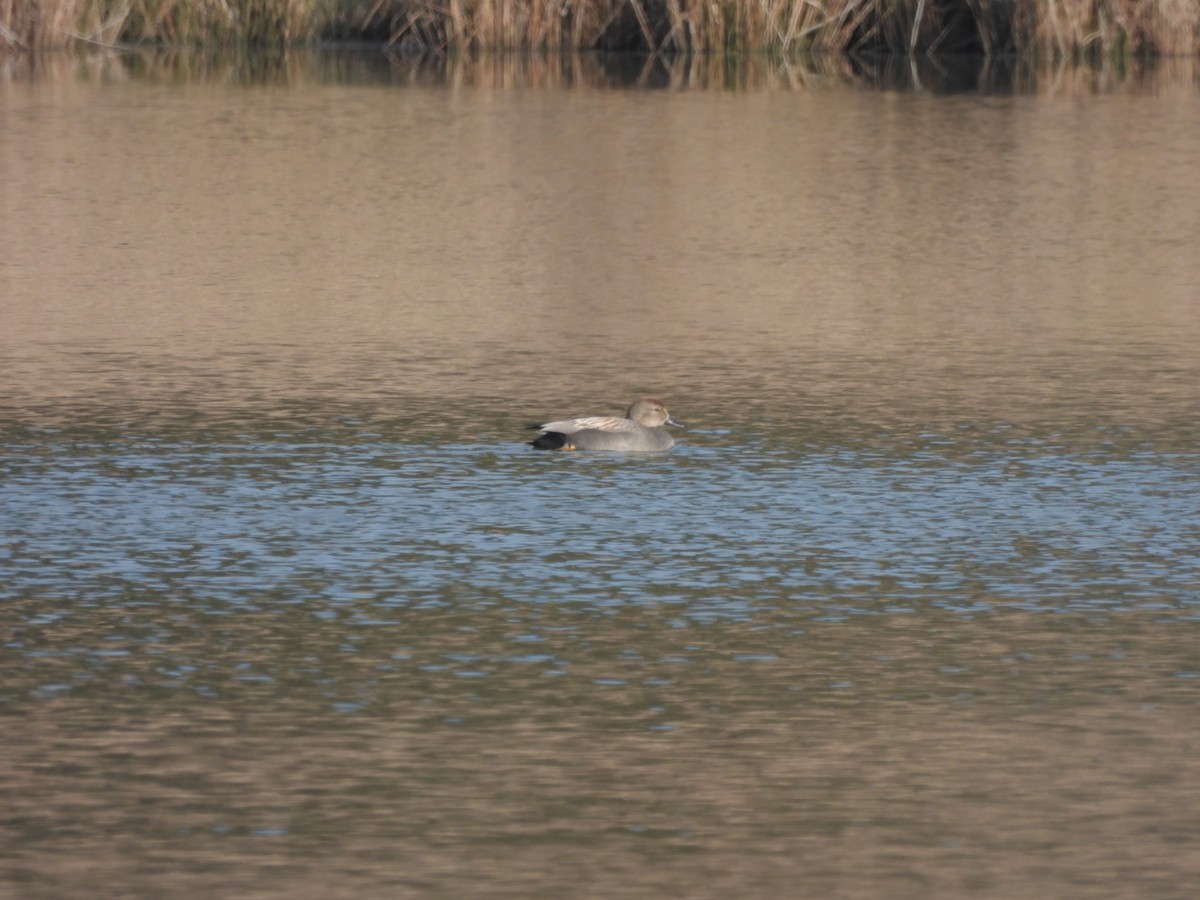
640	431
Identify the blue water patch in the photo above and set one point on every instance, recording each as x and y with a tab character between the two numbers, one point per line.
716	533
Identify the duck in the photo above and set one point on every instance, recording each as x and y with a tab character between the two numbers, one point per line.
642	430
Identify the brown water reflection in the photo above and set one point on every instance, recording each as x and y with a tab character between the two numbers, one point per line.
910	756
872	257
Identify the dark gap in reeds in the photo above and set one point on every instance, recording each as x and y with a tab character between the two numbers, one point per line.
1049	28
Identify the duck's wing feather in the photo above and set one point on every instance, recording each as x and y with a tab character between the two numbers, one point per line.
589	423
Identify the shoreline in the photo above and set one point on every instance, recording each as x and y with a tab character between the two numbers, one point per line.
372	64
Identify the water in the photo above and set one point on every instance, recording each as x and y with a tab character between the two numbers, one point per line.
289	608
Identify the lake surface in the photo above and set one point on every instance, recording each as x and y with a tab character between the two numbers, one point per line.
288	608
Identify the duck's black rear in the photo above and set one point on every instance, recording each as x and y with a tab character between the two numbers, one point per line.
551	440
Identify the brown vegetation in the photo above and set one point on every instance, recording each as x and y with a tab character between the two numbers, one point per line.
1062	28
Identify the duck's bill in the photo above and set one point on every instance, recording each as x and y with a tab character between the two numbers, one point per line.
676	424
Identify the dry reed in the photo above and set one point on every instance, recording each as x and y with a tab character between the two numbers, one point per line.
1050	28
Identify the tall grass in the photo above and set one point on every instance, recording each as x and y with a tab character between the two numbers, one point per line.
55	23
1054	28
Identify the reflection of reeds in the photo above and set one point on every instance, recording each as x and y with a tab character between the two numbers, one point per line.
1063	28
601	71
